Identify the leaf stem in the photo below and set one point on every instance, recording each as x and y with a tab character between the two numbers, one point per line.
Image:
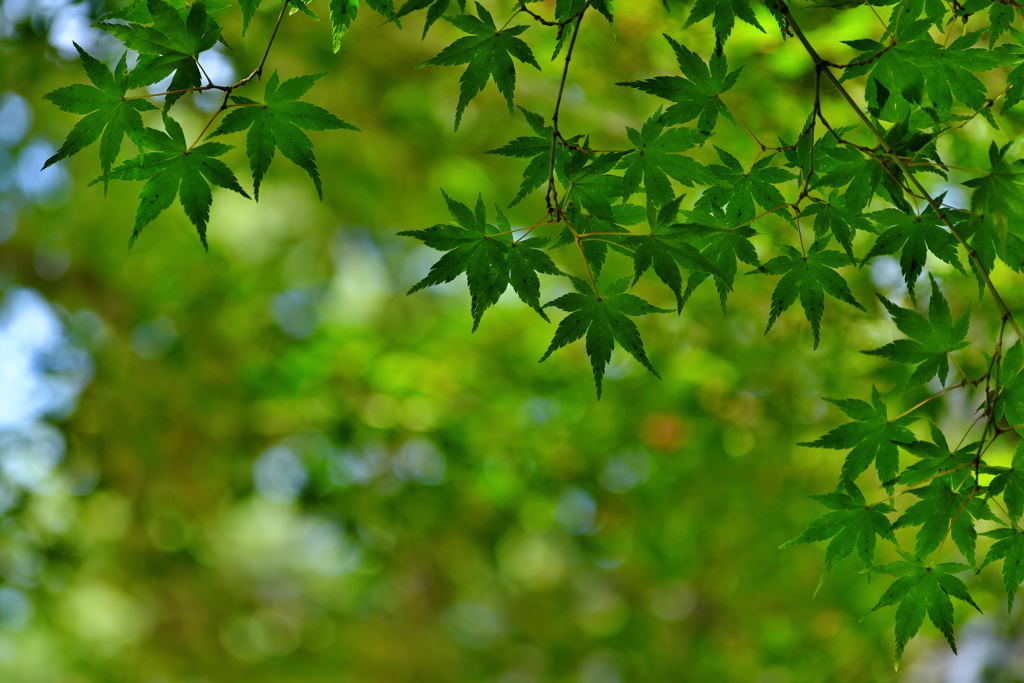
934	396
551	197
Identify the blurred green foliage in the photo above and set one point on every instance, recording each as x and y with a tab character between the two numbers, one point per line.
285	470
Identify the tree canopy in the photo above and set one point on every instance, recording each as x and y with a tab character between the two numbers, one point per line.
781	242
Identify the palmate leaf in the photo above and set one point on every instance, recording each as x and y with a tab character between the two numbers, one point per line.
588	182
487	255
172	44
930	340
808	278
435	10
834	218
658	157
343	13
1009	547
173	169
537	149
726	12
982	235
276	124
936	458
1000	195
109	116
603	236
1010	401
1014	81
917	65
914	236
604	320
722	245
739	190
871	437
567	9
922	589
696	95
488	53
249	8
666	250
861	175
1010	483
944	509
851	525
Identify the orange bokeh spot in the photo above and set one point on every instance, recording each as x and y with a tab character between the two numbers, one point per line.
664	431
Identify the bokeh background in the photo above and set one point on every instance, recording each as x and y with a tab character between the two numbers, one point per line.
266	463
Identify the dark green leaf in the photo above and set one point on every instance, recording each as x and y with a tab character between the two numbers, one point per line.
695	95
852	525
1009	547
921	590
173	169
930	340
872	437
109	115
915	236
808	278
276	124
172	44
604	320
658	157
488	53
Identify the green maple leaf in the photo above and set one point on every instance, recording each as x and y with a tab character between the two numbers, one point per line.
1009	547
658	157
603	318
808	278
435	10
871	437
834	218
738	190
861	176
567	9
851	525
173	169
930	340
944	509
920	590
935	458
982	235
726	12
488	53
1014	81
827	152
722	245
597	237
666	250
109	116
275	124
695	95
1000	194
588	182
537	149
917	65
915	236
487	255
170	44
1010	401
1010	483
249	8
342	13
